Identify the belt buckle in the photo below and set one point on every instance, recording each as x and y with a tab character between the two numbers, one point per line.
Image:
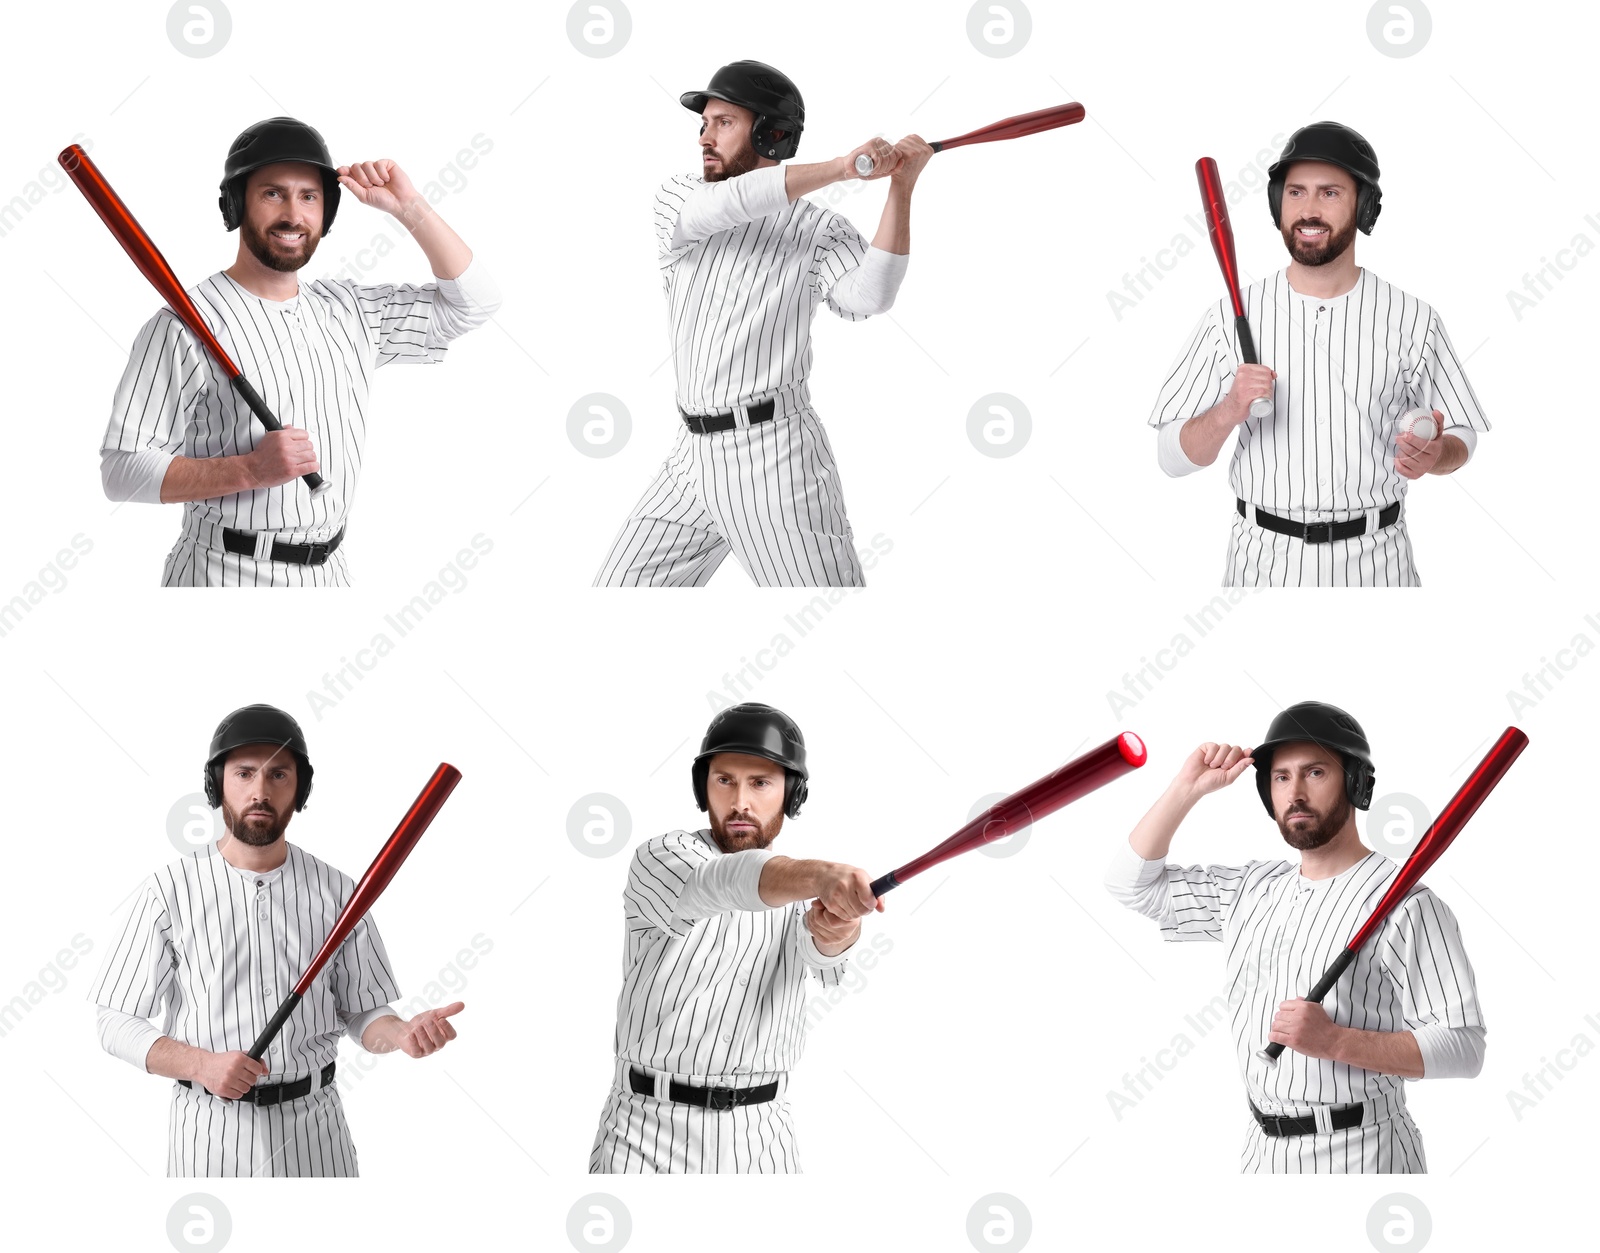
1318	533
262	1100
317	552
722	1098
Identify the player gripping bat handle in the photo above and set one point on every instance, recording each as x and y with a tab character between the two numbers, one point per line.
1056	115
1079	777
142	250
389	859
1221	230
1434	841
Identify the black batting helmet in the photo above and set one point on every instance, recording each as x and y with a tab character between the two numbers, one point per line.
258	724
267	143
1330	727
768	93
1338	145
761	731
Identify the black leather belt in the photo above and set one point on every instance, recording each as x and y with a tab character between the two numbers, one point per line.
277	1093
710	423
707	1098
1319	532
244	543
1342	1116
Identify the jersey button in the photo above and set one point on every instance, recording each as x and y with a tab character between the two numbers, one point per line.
727	1037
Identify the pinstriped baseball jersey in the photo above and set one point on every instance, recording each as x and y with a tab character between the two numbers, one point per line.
711	999
744	270
740	300
1281	931
213	950
311	358
1347	368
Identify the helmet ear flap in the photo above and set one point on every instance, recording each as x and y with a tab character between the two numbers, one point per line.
795	791
698	777
1359	779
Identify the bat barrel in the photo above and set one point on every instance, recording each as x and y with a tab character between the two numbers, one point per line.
389	859
1079	777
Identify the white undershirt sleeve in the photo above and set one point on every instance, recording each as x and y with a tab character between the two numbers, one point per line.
356	1027
730	202
126	1035
1467	436
725	884
870	288
1169	449
1450	1052
135	476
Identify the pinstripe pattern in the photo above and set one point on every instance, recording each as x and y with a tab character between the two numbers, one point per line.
1348	366
213	950
711	1001
739	307
311	359
1281	932
769	494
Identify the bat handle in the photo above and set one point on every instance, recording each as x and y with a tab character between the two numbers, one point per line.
269	1033
888	882
865	164
1261	406
1330	976
268	419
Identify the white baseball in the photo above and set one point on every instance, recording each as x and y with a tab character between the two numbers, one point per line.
1419	423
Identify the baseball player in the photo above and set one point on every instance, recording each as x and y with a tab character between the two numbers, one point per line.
718	942
745	262
215	941
1408	1008
1320	484
180	433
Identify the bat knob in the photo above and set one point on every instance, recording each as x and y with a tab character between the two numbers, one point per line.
1268	1056
864	165
1261	407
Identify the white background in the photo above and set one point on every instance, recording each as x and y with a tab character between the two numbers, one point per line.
1018	594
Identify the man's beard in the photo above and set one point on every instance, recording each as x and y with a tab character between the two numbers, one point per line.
1332	246
732	167
272	254
253	833
739	843
1317	833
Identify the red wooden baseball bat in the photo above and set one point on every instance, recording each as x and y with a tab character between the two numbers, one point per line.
1079	777
1056	115
389	859
142	249
1221	228
1434	841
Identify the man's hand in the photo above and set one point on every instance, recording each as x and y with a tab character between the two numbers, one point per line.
885	159
1211	767
1250	382
382	185
427	1033
1305	1027
846	891
227	1074
912	153
1415	457
831	933
282	456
